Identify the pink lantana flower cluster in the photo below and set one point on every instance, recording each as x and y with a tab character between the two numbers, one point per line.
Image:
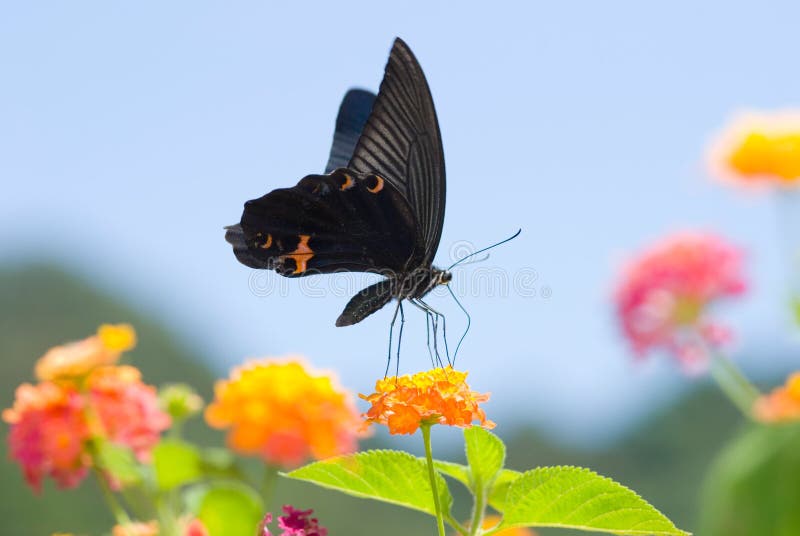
294	522
664	294
82	397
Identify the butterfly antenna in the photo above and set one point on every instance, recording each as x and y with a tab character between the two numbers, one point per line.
469	320
475	261
465	257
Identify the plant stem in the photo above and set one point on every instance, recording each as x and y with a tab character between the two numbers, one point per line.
478	507
455	524
734	384
426	437
119	513
268	482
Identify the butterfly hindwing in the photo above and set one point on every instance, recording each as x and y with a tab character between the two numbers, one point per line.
353	114
401	142
342	221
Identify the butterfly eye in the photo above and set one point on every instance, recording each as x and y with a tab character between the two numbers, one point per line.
374	184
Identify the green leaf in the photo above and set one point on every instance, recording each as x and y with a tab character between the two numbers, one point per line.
751	487
230	509
486	455
499	491
176	463
454	470
384	475
572	497
119	462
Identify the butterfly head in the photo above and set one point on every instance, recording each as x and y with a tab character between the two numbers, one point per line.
443	277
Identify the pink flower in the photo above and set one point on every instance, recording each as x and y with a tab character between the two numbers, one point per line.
128	409
49	434
293	523
664	292
300	523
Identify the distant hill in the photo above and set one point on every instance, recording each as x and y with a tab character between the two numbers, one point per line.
40	306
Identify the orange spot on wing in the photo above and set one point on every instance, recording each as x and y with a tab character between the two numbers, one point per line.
348	182
378	185
301	255
268	243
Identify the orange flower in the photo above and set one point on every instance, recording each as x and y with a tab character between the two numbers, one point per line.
759	147
284	412
78	358
49	434
440	396
128	410
492	521
782	404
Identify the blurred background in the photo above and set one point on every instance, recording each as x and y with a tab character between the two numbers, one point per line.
131	134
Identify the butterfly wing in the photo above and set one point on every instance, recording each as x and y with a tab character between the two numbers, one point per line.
401	142
327	223
353	114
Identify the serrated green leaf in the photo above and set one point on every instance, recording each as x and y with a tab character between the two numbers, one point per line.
383	475
499	491
176	463
486	455
230	509
572	497
119	462
457	471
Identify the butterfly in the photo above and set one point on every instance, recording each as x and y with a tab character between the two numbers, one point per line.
379	207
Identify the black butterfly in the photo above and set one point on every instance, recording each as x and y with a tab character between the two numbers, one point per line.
379	207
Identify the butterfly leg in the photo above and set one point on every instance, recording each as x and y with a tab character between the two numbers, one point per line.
444	329
433	315
391	338
399	339
430	321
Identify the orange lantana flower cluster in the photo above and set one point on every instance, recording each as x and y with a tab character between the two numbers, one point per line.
782	404
759	147
83	396
438	396
285	412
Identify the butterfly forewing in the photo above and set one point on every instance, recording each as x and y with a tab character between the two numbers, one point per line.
401	142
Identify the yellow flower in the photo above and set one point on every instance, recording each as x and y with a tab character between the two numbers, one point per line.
285	412
440	396
759	147
76	359
119	337
782	404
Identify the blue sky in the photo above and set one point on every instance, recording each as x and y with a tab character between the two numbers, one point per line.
130	134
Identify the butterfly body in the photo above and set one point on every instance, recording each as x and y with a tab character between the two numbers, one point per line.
378	208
